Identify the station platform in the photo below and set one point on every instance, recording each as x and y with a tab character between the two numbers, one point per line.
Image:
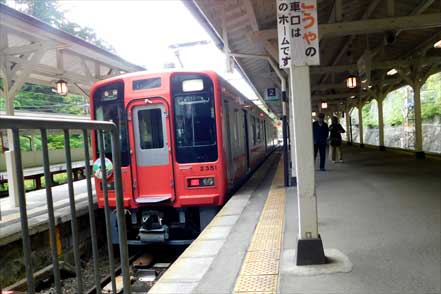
379	216
10	225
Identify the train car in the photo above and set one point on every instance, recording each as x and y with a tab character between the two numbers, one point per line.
188	139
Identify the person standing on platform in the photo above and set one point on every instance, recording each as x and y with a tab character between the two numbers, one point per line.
335	139
320	133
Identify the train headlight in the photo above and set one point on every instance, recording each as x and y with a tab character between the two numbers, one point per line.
207	182
200	182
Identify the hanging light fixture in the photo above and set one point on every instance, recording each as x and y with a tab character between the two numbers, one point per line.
437	45
324	105
392	72
314	114
61	87
351	82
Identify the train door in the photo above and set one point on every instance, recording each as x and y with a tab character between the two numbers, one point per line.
247	143
228	141
264	133
152	161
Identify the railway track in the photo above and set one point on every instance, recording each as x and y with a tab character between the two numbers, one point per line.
147	264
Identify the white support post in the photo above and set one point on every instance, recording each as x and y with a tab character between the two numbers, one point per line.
360	124
418	121
10	154
309	245
380	100
348	122
10	92
292	139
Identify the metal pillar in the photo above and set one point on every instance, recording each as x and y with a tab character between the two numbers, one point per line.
360	124
418	121
285	141
381	123
309	244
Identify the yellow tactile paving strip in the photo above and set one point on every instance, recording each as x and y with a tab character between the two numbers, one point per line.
260	269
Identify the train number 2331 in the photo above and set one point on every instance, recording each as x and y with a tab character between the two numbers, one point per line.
207	167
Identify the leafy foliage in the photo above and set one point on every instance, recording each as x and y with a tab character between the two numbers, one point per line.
43	99
50	12
370	114
395	109
53	141
431	97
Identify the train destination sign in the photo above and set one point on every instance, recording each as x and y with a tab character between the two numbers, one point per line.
297	27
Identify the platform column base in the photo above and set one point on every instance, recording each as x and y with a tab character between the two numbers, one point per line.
420	155
310	251
382	148
361	145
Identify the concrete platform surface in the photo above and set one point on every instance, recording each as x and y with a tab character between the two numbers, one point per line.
10	226
379	214
383	211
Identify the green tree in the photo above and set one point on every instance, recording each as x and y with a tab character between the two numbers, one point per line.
431	97
50	12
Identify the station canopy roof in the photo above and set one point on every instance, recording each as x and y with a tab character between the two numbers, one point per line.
35	52
386	34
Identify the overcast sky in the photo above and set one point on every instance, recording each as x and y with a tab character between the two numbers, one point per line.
141	32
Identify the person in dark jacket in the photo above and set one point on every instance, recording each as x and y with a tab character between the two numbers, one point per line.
335	140
320	133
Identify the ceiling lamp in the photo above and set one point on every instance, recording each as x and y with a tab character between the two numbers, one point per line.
392	72
437	45
351	82
61	87
353	96
324	105
314	114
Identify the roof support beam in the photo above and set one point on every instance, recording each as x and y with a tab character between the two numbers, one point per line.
390	8
338	10
372	6
422	6
380	25
368	26
24	74
376	65
24	49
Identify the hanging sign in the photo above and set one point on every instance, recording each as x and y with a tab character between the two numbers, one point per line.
272	94
297	27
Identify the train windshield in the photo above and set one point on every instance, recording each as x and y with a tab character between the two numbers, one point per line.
109	106
194	118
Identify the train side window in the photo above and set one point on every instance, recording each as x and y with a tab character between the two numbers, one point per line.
150	129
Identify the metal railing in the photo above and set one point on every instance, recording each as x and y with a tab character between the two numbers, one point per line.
14	124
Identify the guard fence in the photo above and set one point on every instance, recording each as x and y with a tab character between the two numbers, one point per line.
14	124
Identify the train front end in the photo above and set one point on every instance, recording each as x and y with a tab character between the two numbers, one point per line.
173	174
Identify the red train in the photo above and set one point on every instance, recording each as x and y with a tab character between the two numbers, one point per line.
188	139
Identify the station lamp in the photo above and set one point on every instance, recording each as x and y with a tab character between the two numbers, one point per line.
437	45
61	87
314	114
351	82
324	105
392	72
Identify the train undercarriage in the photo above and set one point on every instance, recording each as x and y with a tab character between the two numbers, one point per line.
164	224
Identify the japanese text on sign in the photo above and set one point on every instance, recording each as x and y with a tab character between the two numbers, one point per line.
297	28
